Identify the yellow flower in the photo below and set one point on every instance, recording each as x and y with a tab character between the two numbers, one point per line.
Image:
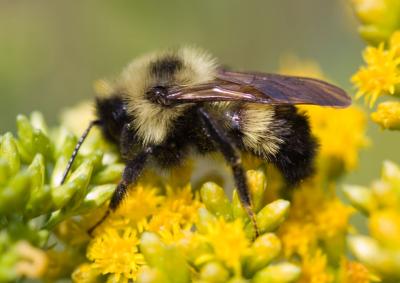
141	202
297	238
228	241
314	216
333	218
115	253
336	128
315	269
381	74
388	115
178	208
355	272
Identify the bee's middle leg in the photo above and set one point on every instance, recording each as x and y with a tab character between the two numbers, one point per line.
232	156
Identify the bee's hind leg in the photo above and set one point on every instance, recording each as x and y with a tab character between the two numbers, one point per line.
131	173
232	156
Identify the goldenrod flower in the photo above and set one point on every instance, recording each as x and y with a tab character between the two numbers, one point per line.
355	272
141	202
388	115
381	74
333	218
334	129
116	253
228	241
315	269
179	208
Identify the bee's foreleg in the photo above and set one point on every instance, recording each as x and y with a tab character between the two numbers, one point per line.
131	173
232	156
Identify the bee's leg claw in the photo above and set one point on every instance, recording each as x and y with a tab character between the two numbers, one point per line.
91	230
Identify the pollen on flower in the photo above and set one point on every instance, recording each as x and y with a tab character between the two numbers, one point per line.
228	241
116	253
381	74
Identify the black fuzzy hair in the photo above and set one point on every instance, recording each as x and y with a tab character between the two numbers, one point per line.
111	112
295	158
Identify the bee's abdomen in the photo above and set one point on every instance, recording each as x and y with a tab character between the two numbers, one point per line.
295	157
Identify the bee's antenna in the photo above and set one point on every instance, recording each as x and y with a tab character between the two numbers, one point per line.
77	147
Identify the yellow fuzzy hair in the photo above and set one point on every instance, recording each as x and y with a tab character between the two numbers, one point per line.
152	122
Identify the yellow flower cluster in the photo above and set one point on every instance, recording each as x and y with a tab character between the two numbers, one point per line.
380	203
381	75
334	128
209	239
314	230
387	115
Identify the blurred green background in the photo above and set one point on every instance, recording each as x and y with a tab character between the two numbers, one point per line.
52	51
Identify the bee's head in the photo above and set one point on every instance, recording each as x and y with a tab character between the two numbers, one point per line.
145	82
112	113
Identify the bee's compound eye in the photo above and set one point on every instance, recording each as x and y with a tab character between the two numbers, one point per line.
158	95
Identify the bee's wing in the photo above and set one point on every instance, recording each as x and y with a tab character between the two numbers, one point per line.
263	88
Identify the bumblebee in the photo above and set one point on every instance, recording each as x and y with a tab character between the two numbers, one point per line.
167	105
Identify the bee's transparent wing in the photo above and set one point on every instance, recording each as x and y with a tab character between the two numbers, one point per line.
263	88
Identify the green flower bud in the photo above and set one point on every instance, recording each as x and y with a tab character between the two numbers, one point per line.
8	260
96	197
257	184
205	218
65	143
111	174
280	273
167	259
16	193
58	171
151	275
270	217
216	201
38	122
379	18
9	152
391	174
237	208
4	171
368	251
214	272
85	274
95	158
40	199
360	197
33	140
264	249
75	188
238	280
